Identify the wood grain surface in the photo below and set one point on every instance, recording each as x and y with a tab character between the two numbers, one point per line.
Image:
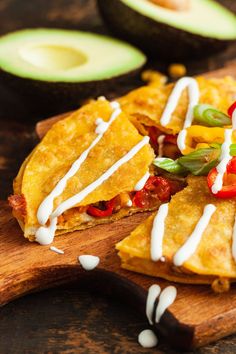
69	320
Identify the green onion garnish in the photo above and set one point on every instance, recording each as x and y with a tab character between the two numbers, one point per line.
169	165
207	115
198	162
233	149
201	161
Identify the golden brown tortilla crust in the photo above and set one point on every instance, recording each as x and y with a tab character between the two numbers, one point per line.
146	104
64	143
161	270
213	256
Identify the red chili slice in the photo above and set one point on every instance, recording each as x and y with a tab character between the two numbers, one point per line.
156	188
232	109
231	167
99	213
229	181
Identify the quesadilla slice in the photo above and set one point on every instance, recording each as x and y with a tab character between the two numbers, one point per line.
187	245
90	168
147	106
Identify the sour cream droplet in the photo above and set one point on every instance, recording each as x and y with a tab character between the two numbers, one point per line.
147	338
56	250
153	293
101	126
129	203
167	297
234	241
101	98
88	262
141	183
45	234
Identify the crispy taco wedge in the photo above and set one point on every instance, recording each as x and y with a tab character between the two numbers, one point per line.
209	261
146	105
95	155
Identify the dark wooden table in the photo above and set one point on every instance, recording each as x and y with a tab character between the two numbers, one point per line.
68	319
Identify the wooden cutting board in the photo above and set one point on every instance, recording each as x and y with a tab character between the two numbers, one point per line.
197	317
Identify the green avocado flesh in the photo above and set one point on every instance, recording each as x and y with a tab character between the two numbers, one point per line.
204	17
55	55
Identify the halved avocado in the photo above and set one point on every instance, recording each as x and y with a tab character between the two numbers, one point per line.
57	68
203	28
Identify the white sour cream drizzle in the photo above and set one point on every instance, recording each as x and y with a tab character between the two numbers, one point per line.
234	241
101	98
157	233
141	183
234	120
225	157
69	203
46	234
167	297
181	139
160	141
153	293
46	207
88	262
147	339
193	92
129	203
190	246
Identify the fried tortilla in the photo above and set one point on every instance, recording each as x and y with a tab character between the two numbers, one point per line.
213	257
54	155
146	104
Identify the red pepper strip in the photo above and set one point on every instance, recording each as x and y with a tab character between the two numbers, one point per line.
99	213
232	109
170	139
231	167
229	181
156	188
229	188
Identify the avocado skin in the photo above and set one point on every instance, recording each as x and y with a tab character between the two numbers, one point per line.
44	98
155	38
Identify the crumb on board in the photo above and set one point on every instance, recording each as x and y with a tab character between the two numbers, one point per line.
176	70
153	77
56	250
220	285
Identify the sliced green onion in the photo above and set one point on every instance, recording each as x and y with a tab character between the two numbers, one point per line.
201	161
198	162
169	165
207	115
233	149
216	145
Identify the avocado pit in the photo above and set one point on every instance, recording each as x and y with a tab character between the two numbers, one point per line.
176	5
53	57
